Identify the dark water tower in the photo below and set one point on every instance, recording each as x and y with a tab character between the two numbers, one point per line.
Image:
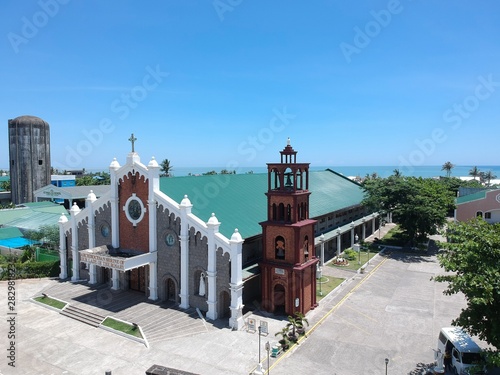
29	154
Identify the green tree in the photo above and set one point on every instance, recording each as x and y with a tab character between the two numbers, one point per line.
472	262
5	185
486	177
419	205
474	172
166	168
448	166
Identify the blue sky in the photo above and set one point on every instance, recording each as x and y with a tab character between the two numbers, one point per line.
223	83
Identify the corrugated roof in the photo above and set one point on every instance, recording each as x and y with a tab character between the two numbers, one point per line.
239	201
32	215
472	197
6	233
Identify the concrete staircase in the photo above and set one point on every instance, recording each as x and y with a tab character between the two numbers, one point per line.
82	315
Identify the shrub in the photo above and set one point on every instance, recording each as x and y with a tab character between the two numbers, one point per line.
32	270
350	254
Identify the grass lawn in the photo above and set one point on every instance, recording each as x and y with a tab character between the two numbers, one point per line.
51	302
353	264
127	328
328	284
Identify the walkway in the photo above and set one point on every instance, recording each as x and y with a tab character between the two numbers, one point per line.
159	321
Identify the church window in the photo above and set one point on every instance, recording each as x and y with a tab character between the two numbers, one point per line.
281	212
170	239
134	209
479	214
288	213
274	211
279	244
306	248
105	230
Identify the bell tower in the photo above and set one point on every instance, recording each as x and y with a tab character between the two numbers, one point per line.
288	268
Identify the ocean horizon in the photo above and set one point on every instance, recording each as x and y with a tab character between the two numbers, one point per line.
356	171
348	171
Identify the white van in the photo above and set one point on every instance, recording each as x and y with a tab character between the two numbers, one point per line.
465	353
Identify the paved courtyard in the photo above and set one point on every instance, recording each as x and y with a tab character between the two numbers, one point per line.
393	311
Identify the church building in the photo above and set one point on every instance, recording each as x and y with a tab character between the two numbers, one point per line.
160	236
136	237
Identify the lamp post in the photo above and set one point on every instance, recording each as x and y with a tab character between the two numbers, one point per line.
268	348
259	370
386	363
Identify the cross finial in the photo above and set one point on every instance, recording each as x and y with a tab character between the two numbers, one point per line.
132	139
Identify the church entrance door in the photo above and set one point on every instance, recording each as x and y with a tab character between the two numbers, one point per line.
279	299
137	279
170	290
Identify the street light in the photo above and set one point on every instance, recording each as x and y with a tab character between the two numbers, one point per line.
268	348
259	366
386	363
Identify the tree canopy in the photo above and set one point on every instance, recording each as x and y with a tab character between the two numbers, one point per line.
472	256
420	206
448	166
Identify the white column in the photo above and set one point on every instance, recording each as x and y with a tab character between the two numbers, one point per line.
185	208
115	231
153	278
74	243
93	274
236	242
213	227
115	279
373	224
339	242
363	234
352	234
89	204
62	247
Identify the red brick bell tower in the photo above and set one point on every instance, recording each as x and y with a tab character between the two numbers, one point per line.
288	268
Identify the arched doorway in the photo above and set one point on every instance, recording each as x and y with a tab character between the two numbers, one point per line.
224	304
279	299
170	290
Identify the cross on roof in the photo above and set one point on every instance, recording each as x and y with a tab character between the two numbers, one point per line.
132	139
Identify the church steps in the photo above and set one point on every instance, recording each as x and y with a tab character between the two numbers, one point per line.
83	315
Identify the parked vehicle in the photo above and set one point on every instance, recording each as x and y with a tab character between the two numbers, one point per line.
466	355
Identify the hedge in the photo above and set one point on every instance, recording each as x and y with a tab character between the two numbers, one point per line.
29	270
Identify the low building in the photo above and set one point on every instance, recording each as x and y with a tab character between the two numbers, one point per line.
484	203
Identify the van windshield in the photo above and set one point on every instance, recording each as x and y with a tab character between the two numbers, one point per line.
471	358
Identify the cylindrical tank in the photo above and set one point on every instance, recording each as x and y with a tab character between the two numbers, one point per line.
29	154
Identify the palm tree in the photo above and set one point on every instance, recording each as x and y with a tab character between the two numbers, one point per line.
488	176
397	172
475	172
166	168
447	167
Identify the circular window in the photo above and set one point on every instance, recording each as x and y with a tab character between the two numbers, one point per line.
105	230
134	209
170	239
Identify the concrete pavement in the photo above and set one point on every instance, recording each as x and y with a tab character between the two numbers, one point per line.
394	311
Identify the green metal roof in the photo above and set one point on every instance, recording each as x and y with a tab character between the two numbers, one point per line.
239	200
6	233
32	215
472	197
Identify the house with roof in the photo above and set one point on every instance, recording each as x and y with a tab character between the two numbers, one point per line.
198	240
472	203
